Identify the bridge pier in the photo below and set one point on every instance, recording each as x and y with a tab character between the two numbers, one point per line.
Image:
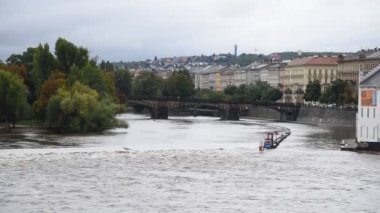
230	114
288	116
160	112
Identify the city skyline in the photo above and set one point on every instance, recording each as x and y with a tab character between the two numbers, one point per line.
139	30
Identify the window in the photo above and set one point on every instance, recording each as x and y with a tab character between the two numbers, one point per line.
361	131
367	112
367	131
374	112
374	132
362	112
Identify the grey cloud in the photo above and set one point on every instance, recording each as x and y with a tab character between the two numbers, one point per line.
136	30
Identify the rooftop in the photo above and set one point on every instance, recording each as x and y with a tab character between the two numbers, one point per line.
314	61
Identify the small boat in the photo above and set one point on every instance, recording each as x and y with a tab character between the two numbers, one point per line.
267	143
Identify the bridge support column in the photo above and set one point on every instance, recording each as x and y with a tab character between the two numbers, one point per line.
160	112
230	114
138	109
288	116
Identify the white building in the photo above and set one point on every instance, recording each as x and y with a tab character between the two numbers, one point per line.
368	116
255	72
239	76
275	71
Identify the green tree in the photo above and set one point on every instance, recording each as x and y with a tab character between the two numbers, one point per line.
123	83
326	96
14	59
341	92
43	64
179	84
212	95
49	88
25	63
13	102
27	58
230	90
95	78
80	109
147	85
313	91
274	94
68	55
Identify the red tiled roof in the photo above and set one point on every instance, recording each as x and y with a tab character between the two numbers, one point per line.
314	61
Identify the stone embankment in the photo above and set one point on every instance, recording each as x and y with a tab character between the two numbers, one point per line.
309	115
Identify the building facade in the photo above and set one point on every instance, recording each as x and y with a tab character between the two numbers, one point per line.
255	72
349	69
209	77
274	73
299	72
368	116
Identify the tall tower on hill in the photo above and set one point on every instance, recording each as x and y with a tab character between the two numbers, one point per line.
235	50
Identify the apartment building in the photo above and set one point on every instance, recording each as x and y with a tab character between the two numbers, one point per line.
349	67
299	72
274	73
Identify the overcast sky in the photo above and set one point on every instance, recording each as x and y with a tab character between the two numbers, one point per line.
141	29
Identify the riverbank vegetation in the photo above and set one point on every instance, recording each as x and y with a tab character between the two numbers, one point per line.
338	93
65	90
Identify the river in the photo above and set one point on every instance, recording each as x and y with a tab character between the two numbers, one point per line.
188	164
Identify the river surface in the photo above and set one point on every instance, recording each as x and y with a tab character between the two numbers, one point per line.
188	164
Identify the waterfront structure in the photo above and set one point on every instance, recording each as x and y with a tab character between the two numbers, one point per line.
299	72
349	67
368	116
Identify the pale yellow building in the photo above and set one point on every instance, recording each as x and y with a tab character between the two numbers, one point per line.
299	72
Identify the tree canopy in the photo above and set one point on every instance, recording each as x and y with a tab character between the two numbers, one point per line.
66	89
69	55
44	63
260	92
180	85
123	83
147	84
80	108
13	103
339	92
313	91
